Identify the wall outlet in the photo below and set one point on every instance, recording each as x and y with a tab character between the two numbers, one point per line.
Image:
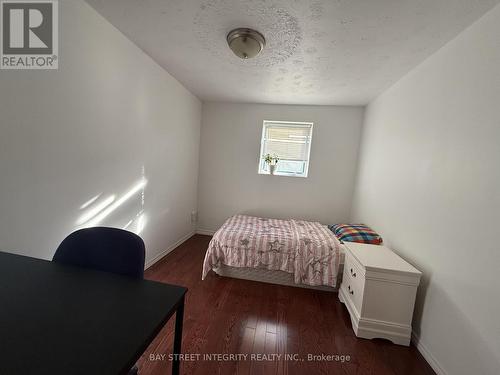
194	217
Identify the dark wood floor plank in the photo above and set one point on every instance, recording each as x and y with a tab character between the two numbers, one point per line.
230	316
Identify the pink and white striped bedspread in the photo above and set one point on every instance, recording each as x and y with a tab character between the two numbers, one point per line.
308	250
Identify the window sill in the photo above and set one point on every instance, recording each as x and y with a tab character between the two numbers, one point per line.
282	175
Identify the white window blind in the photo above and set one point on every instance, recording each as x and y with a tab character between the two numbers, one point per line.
291	143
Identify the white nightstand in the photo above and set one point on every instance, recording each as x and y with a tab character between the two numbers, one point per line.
379	289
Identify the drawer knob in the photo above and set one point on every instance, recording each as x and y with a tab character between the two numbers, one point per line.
353	274
350	290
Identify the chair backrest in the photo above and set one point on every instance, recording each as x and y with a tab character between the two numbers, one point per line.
105	249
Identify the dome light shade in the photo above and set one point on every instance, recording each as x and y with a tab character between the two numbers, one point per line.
245	43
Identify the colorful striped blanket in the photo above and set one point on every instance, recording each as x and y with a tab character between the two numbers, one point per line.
308	250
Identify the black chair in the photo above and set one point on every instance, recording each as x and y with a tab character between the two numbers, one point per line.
105	249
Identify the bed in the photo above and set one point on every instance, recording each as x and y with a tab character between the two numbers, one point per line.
287	252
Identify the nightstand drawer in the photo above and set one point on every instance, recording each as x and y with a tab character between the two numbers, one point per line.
353	283
353	269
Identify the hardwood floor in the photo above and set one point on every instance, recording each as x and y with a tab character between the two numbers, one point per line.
231	316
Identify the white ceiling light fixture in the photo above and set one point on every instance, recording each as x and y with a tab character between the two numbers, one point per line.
245	43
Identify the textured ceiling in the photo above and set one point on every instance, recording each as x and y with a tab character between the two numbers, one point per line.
318	52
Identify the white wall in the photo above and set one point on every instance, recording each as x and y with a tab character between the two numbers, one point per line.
429	181
229	158
89	128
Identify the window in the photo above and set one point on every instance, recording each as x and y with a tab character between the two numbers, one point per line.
291	143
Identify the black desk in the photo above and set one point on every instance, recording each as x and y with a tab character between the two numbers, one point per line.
57	319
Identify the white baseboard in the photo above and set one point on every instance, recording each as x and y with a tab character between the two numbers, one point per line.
206	232
183	239
422	348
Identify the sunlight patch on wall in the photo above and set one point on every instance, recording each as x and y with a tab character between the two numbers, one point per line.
140	222
97	219
90	201
124	210
92	212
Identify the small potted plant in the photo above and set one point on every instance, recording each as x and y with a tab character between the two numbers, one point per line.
272	160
